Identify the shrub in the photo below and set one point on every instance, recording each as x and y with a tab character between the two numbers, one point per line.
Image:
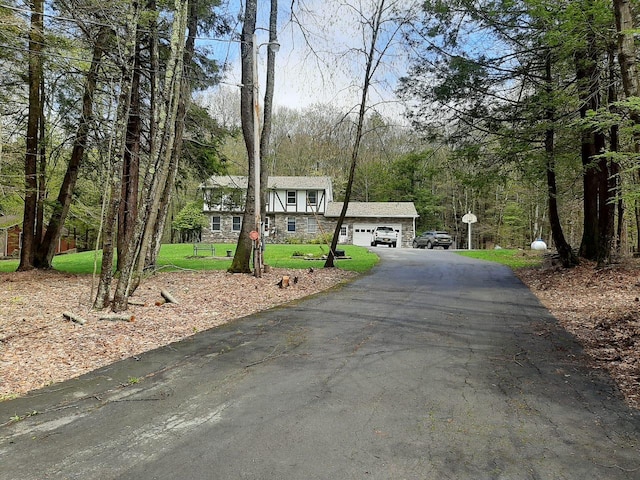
323	239
294	241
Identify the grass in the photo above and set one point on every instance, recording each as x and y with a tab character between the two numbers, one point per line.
512	258
180	257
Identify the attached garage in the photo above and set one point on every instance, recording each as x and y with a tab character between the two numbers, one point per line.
363	217
362	232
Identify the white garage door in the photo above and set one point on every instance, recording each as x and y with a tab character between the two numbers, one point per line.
362	232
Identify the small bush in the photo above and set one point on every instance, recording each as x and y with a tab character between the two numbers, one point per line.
324	239
294	241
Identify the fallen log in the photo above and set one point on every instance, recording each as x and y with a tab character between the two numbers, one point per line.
168	297
74	318
117	318
139	303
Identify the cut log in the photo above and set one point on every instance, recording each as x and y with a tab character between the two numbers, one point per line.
168	297
285	281
118	318
74	318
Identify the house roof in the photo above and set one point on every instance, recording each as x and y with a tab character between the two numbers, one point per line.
274	183
373	209
231	181
300	183
7	221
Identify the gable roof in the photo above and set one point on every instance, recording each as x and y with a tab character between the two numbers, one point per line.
373	209
7	221
300	183
274	183
228	181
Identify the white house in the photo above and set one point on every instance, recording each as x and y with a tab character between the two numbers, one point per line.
299	208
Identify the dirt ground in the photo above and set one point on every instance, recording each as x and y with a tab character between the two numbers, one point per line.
601	308
38	346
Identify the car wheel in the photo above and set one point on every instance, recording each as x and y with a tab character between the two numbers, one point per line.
429	245
415	244
374	244
393	245
446	247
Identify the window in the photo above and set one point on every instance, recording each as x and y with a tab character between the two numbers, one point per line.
266	224
291	224
312	197
291	197
213	199
312	225
233	200
237	224
343	231
237	200
215	224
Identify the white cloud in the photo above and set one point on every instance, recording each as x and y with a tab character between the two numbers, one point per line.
323	64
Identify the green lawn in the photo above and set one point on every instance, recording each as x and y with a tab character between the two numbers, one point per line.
180	256
512	258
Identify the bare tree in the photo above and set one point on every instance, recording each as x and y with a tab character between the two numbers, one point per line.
381	27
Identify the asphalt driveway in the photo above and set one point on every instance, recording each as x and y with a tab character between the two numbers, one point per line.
434	366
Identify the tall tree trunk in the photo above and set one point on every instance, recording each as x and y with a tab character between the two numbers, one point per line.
268	110
158	172
592	144
242	257
36	42
183	105
610	166
128	211
567	257
375	24
42	178
627	59
47	248
117	156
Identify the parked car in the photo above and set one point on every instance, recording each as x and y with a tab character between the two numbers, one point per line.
384	236
433	238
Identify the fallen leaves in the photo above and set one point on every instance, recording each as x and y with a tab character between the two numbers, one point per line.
600	308
38	346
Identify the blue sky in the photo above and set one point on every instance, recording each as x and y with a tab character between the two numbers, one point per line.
329	72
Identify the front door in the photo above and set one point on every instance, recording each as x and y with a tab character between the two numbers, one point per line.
344	234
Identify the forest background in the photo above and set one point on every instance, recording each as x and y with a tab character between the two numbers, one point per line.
522	112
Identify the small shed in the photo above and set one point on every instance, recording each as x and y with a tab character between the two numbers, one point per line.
10	235
11	238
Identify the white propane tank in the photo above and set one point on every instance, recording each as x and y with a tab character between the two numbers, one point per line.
538	245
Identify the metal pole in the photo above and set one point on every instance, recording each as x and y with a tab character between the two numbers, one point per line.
469	243
257	251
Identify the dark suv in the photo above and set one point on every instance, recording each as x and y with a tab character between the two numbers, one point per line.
433	238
